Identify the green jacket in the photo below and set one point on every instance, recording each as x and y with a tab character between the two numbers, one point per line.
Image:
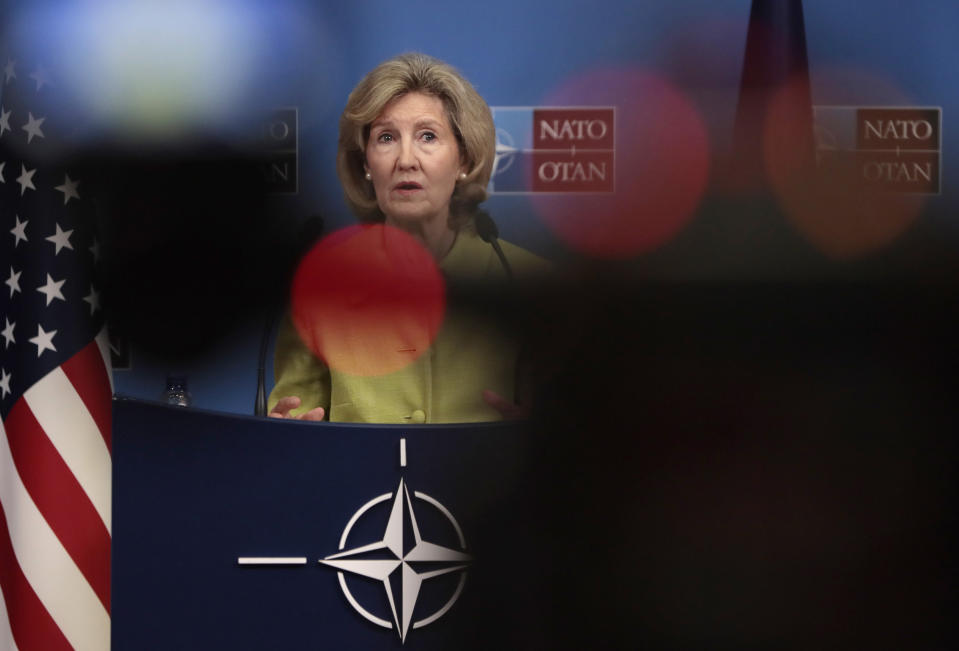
471	352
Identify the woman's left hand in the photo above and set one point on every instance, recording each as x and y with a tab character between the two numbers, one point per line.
510	410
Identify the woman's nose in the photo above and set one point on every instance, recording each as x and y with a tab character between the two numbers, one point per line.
406	156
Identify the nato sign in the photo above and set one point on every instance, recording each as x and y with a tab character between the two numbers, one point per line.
554	149
894	149
278	142
234	532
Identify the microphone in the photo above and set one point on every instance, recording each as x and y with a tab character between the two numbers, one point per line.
309	231
259	405
488	232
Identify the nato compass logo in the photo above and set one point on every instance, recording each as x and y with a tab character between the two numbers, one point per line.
398	558
506	151
413	560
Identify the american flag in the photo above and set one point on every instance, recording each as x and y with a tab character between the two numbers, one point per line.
55	386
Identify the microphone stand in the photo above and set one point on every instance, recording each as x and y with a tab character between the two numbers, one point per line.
488	232
308	233
259	407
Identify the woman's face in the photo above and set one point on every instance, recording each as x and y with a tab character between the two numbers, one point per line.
413	159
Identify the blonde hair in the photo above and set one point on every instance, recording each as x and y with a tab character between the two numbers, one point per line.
468	115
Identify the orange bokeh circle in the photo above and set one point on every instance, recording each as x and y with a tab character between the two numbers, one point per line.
821	191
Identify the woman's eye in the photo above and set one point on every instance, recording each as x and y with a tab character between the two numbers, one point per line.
385	137
429	136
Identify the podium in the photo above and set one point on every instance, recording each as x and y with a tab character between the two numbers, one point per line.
236	532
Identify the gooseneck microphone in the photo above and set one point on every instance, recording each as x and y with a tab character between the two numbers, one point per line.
259	407
307	235
487	230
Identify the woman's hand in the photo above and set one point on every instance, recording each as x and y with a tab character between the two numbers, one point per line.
510	410
285	405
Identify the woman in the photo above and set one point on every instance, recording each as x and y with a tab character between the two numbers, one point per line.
416	150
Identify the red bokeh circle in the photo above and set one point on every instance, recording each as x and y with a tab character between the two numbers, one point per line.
368	300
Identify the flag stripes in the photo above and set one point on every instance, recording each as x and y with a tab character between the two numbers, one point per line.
6	635
64	418
30	623
49	571
103	345
86	371
55	385
60	499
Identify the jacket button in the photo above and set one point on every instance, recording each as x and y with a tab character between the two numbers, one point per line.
418	416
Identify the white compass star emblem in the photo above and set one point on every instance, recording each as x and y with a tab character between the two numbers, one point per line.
505	151
384	569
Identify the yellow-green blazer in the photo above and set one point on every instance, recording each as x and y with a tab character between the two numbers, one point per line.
471	352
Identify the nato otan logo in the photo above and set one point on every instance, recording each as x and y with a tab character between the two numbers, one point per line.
894	149
554	149
399	558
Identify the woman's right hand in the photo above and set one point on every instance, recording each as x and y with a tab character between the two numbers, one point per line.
285	405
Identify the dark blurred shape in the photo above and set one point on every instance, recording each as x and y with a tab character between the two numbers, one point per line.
775	55
190	248
733	467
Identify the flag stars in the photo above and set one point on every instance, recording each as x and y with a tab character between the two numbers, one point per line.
19	231
61	239
52	289
93	298
13	282
32	127
41	77
4	383
7	333
44	340
26	179
10	71
5	120
69	189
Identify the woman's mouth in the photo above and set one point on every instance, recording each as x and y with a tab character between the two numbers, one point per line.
407	187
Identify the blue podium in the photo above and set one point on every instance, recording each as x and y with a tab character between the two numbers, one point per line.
235	532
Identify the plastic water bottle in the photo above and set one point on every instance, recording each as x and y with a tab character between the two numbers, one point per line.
176	392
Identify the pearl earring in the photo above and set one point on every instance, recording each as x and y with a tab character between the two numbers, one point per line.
368	177
462	176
